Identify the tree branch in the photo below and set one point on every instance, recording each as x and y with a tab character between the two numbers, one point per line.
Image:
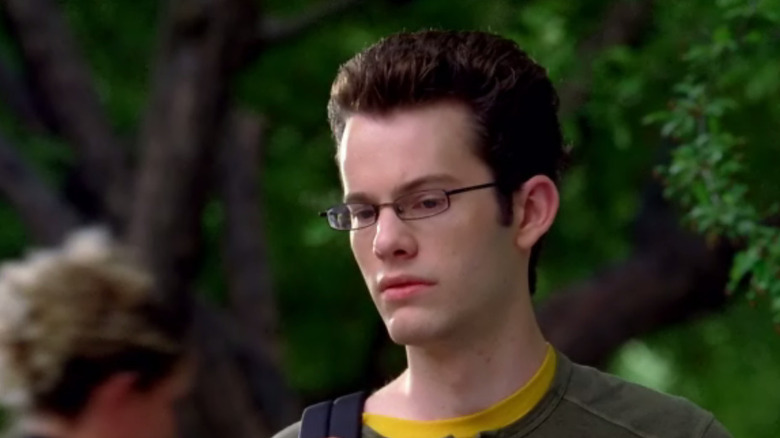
591	320
231	414
263	379
46	216
202	46
202	43
248	272
673	276
274	30
245	257
16	94
61	76
238	380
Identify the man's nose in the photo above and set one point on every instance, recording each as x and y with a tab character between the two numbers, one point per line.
393	238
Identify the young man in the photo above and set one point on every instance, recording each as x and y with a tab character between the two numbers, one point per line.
450	149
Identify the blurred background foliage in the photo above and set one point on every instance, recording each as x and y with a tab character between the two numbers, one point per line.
728	362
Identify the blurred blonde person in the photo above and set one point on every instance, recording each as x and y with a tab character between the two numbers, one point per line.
86	349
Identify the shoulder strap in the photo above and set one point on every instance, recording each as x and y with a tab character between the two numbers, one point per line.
346	416
340	418
315	421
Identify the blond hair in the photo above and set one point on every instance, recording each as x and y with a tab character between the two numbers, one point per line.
86	300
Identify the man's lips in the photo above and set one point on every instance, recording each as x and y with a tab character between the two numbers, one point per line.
401	287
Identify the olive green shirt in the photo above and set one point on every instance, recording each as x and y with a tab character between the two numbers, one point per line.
586	403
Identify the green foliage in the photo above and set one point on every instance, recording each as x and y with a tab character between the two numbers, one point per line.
724	363
705	175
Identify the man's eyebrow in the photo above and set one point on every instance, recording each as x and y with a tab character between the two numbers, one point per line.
409	186
420	183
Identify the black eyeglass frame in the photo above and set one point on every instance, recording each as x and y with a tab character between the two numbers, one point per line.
376	207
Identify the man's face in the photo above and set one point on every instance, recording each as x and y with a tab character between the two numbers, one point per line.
443	277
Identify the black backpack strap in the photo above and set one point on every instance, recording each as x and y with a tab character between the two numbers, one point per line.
315	421
342	418
346	416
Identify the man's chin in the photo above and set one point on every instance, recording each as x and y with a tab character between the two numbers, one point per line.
412	331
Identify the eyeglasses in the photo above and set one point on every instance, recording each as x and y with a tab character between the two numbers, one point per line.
418	205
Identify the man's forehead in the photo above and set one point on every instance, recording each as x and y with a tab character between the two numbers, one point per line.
434	119
379	154
402	186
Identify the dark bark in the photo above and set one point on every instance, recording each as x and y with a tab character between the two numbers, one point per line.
245	256
47	218
651	290
22	102
221	403
239	389
247	267
201	44
59	74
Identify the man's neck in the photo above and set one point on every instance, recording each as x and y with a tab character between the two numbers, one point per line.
466	376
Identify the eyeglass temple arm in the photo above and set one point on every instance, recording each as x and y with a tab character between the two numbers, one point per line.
468	189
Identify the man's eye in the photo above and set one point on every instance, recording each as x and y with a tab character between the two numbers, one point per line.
427	202
364	214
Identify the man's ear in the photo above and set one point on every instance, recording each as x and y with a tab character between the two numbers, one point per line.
535	207
114	392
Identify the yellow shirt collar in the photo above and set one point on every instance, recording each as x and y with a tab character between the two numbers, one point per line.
503	413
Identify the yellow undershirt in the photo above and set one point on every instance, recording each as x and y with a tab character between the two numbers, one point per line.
501	414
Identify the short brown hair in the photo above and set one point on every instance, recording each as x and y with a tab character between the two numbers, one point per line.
511	98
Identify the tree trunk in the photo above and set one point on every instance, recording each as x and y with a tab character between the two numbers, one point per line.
252	303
